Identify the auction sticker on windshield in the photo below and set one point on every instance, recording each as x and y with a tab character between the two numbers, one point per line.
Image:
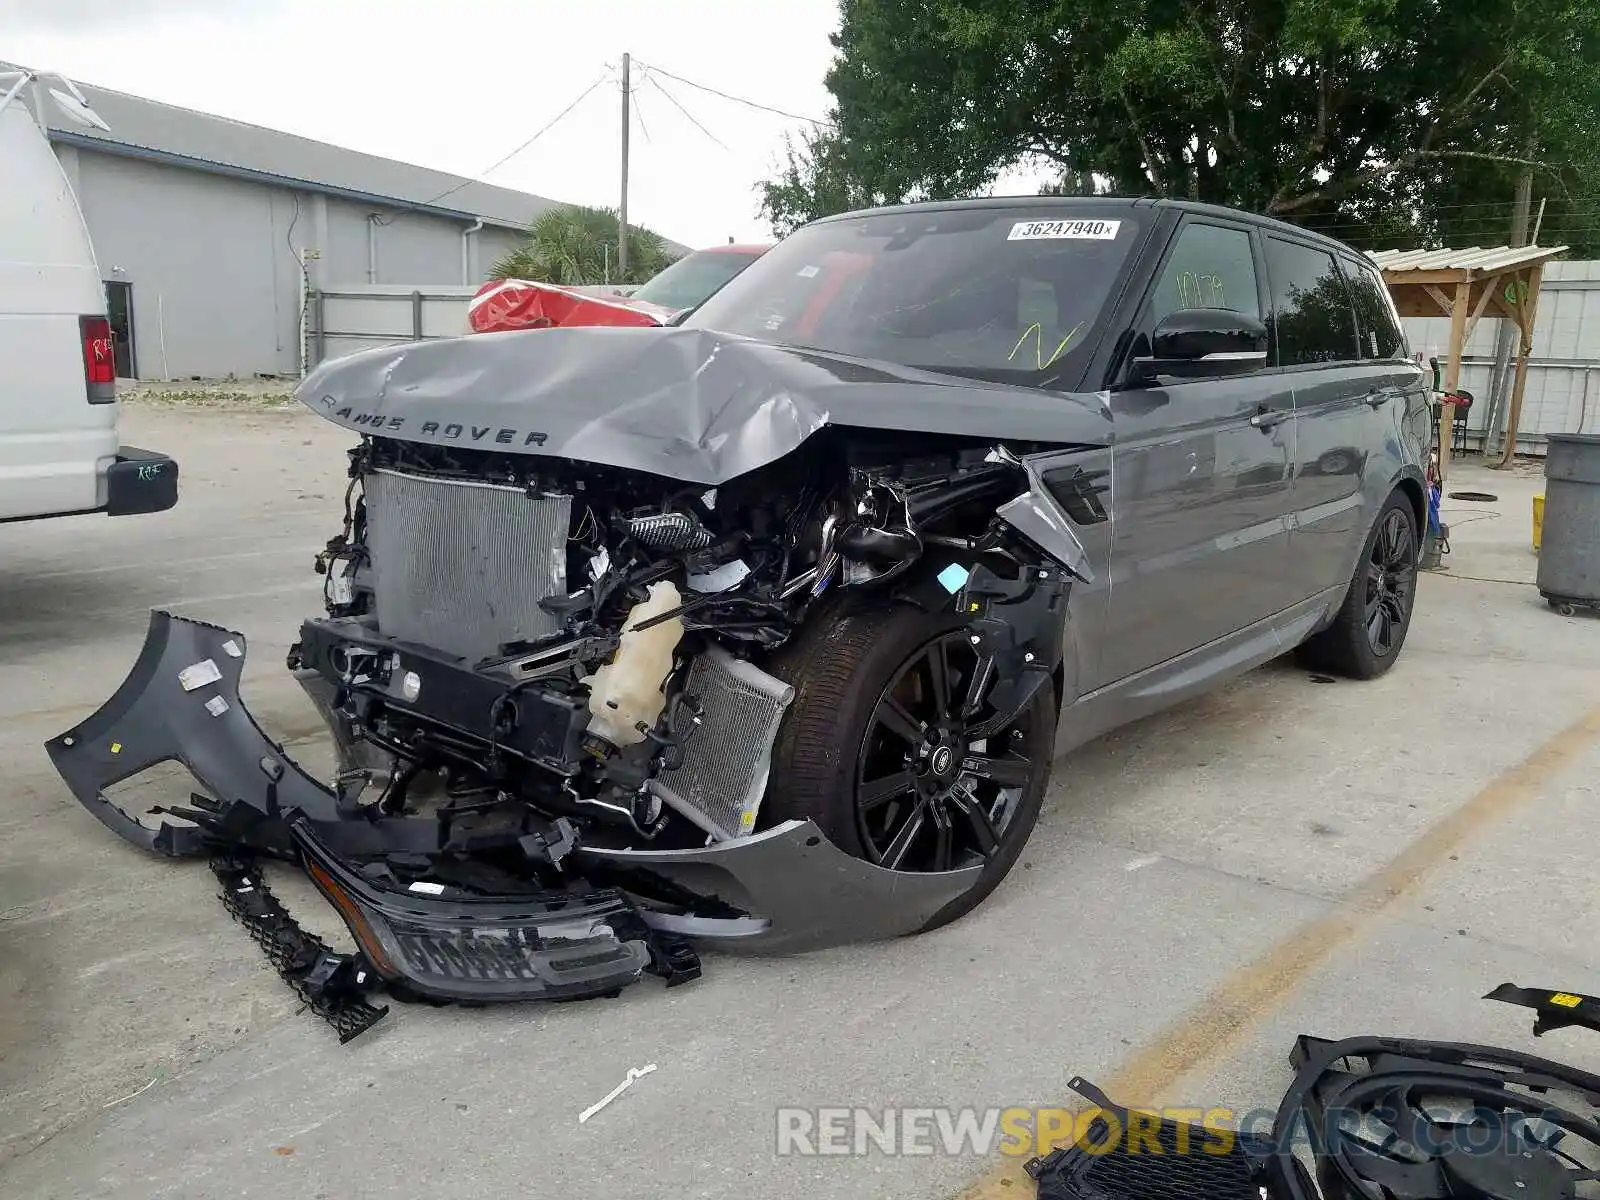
1024	231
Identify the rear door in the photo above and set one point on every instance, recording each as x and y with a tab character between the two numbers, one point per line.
1338	394
1201	481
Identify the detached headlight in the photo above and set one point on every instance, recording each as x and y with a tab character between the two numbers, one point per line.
448	946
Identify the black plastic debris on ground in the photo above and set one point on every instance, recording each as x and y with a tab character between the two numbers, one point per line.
1555	1010
1423	1120
1125	1155
333	985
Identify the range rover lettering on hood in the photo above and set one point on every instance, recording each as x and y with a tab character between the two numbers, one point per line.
445	431
689	404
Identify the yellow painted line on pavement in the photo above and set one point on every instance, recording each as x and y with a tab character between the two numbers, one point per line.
1218	1023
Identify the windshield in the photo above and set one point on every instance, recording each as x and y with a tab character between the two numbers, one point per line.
1006	293
693	277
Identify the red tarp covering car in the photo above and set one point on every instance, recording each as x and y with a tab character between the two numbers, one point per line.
503	304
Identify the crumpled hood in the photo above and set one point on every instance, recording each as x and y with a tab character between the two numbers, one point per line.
691	404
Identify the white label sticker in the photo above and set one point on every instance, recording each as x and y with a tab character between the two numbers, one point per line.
808	272
231	648
201	673
427	889
1028	231
216	706
341	589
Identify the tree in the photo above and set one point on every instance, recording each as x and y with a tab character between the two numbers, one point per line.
1379	118
575	244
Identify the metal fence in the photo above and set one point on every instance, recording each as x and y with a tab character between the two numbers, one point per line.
359	316
1563	389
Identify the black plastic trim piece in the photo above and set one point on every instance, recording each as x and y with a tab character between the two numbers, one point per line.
1556	1010
332	985
139	482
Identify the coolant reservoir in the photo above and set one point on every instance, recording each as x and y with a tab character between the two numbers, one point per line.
627	689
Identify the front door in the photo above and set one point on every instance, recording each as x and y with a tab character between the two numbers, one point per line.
119	312
1201	481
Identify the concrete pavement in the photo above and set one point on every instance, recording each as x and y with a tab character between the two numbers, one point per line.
1285	856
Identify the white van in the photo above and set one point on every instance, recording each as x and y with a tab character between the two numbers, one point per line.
59	450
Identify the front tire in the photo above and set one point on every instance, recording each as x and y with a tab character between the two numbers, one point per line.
875	748
1370	629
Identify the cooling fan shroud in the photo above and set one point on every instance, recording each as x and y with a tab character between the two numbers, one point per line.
1400	1119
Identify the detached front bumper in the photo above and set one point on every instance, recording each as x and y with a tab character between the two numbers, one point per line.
785	889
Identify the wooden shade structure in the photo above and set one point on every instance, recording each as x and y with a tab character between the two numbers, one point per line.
1464	285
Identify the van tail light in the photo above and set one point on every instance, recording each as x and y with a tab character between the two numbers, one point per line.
99	363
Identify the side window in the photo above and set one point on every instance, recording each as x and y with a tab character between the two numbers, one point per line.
1313	321
1210	267
1381	336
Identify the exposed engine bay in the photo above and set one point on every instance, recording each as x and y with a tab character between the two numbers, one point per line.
595	636
555	684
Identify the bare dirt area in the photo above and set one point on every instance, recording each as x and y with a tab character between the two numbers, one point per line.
1291	854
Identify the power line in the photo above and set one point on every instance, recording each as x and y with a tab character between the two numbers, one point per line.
674	101
633	95
546	128
729	96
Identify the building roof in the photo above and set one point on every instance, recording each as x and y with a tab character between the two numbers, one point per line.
148	129
1473	259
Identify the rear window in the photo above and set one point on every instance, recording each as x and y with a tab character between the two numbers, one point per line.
1381	336
1312	318
1010	294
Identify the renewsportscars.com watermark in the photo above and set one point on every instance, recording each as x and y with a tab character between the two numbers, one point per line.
1026	1132
983	1132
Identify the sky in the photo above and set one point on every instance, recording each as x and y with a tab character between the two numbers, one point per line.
458	86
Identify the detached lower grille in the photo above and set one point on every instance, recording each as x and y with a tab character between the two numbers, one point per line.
725	764
516	954
462	566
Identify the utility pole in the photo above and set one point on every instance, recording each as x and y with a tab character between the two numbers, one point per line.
622	210
1506	338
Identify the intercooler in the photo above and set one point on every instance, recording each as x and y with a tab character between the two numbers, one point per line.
725	764
461	566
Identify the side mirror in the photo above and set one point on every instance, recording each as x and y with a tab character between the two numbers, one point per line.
1204	343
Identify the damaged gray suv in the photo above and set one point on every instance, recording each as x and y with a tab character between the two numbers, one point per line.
765	629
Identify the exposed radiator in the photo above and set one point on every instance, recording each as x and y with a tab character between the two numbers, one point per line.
461	566
725	764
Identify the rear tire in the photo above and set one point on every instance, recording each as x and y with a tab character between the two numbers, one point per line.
1370	628
848	758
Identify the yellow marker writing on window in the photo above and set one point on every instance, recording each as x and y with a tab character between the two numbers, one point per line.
1038	344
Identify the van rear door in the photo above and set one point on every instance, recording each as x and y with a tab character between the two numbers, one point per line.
58	410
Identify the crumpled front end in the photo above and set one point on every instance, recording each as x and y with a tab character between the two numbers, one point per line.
558	666
443	907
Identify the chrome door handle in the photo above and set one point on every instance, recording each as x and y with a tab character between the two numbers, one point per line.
1267	418
1378	397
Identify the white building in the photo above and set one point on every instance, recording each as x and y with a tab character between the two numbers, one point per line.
201	225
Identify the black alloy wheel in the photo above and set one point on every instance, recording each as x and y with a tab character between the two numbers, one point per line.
940	776
1391	579
1365	635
